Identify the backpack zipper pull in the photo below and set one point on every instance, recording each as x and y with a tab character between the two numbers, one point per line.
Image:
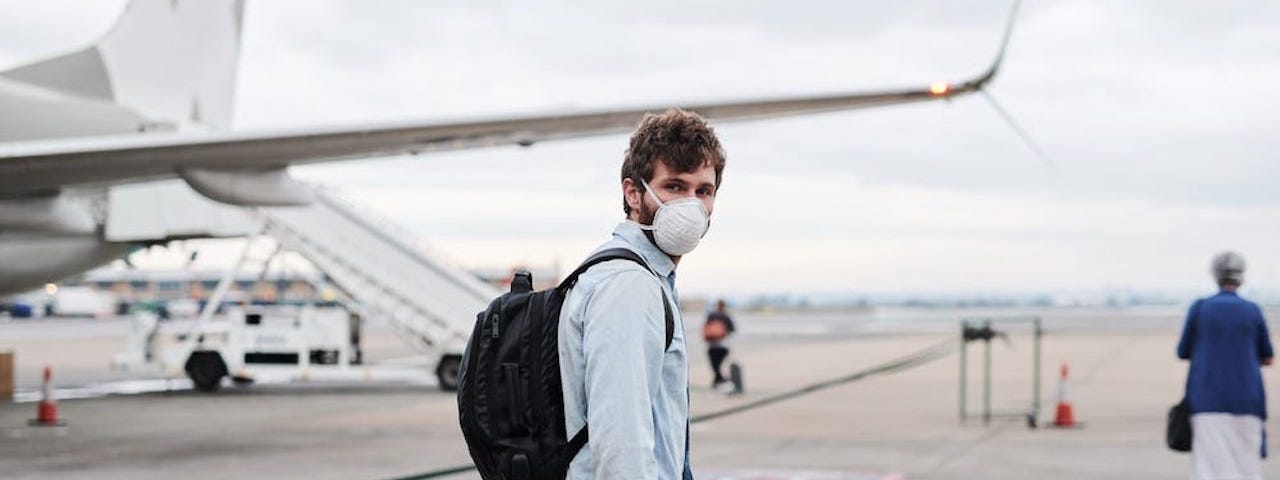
494	319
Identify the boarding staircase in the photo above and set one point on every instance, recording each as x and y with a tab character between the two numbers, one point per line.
386	272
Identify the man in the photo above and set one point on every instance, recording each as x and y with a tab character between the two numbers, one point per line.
716	332
1226	339
617	377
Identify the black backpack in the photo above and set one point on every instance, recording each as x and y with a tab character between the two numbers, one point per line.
510	400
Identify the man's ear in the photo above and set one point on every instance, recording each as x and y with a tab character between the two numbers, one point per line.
633	195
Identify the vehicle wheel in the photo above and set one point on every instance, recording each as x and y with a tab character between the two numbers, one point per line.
447	372
205	369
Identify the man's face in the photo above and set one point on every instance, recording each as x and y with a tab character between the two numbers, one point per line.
668	186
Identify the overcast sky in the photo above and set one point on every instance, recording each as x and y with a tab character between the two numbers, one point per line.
1159	116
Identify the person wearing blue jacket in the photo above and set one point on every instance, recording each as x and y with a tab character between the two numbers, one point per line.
1226	339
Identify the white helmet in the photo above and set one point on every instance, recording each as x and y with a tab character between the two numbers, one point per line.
1228	267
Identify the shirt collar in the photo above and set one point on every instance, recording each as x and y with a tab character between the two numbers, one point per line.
630	233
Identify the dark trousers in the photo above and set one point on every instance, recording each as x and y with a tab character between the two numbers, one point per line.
717	355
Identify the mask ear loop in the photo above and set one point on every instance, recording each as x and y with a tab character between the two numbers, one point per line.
652	195
645	187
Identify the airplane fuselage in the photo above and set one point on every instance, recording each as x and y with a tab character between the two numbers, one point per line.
47	235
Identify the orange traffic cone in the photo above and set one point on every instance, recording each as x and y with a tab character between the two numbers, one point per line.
1065	416
47	409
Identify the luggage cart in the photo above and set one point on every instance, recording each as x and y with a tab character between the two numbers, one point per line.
985	330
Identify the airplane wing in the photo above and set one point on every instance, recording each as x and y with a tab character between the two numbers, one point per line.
51	165
235	167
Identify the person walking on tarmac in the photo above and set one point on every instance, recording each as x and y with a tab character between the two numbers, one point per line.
1226	339
716	332
617	376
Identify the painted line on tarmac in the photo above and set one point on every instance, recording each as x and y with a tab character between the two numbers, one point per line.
401	370
921	357
99	390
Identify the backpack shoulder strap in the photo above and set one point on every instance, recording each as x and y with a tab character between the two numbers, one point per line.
622	254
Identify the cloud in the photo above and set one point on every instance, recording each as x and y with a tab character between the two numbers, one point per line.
1158	116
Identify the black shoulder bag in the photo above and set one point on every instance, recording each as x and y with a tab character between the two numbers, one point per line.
1177	432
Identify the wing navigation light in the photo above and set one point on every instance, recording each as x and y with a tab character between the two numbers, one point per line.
939	89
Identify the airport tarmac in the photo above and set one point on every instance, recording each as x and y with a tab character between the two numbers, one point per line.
894	426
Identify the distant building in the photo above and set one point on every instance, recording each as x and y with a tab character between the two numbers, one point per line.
131	286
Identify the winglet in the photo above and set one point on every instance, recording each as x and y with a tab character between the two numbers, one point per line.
981	81
978	85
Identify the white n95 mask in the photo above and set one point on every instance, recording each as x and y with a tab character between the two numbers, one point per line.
678	225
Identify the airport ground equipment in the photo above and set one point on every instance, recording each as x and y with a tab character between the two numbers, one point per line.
389	275
258	343
386	275
984	330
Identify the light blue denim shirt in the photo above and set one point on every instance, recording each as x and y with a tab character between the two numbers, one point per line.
616	376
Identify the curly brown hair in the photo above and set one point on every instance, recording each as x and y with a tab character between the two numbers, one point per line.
682	140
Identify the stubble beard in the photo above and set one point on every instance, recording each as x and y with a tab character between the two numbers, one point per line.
645	217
